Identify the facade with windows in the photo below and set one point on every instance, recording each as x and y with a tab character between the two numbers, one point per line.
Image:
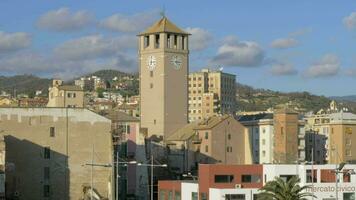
241	182
211	93
277	137
333	136
48	149
65	96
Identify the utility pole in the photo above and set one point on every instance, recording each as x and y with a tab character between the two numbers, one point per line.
91	174
117	173
151	176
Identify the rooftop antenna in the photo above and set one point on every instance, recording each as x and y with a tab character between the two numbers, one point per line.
163	12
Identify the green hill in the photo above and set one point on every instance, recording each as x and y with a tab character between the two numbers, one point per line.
26	84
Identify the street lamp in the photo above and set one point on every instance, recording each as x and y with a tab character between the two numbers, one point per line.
152	165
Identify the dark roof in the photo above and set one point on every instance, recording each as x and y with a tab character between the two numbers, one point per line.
121	117
246	118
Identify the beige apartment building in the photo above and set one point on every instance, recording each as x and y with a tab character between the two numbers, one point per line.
334	137
163	59
218	139
65	96
277	137
211	93
47	150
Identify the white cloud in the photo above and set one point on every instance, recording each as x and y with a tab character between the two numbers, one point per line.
200	38
64	20
351	72
133	23
282	69
10	42
300	32
239	53
350	21
327	66
94	46
284	43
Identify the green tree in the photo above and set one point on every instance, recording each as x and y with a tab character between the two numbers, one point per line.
279	189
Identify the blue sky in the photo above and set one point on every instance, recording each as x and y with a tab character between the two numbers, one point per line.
280	45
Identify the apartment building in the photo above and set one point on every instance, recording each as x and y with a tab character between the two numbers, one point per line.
277	137
242	182
334	136
65	96
48	149
211	93
218	139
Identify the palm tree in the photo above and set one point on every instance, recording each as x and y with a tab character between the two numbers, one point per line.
279	189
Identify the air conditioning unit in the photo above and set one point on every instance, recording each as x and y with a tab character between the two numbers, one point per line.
238	186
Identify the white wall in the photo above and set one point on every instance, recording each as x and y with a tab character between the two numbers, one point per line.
266	135
217	194
187	189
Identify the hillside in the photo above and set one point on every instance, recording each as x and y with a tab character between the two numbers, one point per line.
248	98
26	84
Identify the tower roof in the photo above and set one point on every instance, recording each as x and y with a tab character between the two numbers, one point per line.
164	26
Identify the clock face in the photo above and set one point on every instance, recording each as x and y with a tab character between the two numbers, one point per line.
151	62
176	62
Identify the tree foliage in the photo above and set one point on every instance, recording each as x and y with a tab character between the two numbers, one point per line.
279	189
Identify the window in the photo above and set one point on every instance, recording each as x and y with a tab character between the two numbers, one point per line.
69	95
154	121
206	135
74	95
224	178
282	131
46	173
157	41
263	141
47	153
348	196
194	196
46	191
203	196
235	197
177	195
206	148
311	174
151	73
170	195
51	131
264	153
348	152
250	178
151	85
146	41
162	195
229	136
229	149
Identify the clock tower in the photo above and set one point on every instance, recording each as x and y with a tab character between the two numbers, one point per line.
164	66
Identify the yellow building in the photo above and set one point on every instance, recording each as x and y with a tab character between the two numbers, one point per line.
68	96
211	93
163	60
338	131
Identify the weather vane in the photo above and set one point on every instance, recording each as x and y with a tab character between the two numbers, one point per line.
163	12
